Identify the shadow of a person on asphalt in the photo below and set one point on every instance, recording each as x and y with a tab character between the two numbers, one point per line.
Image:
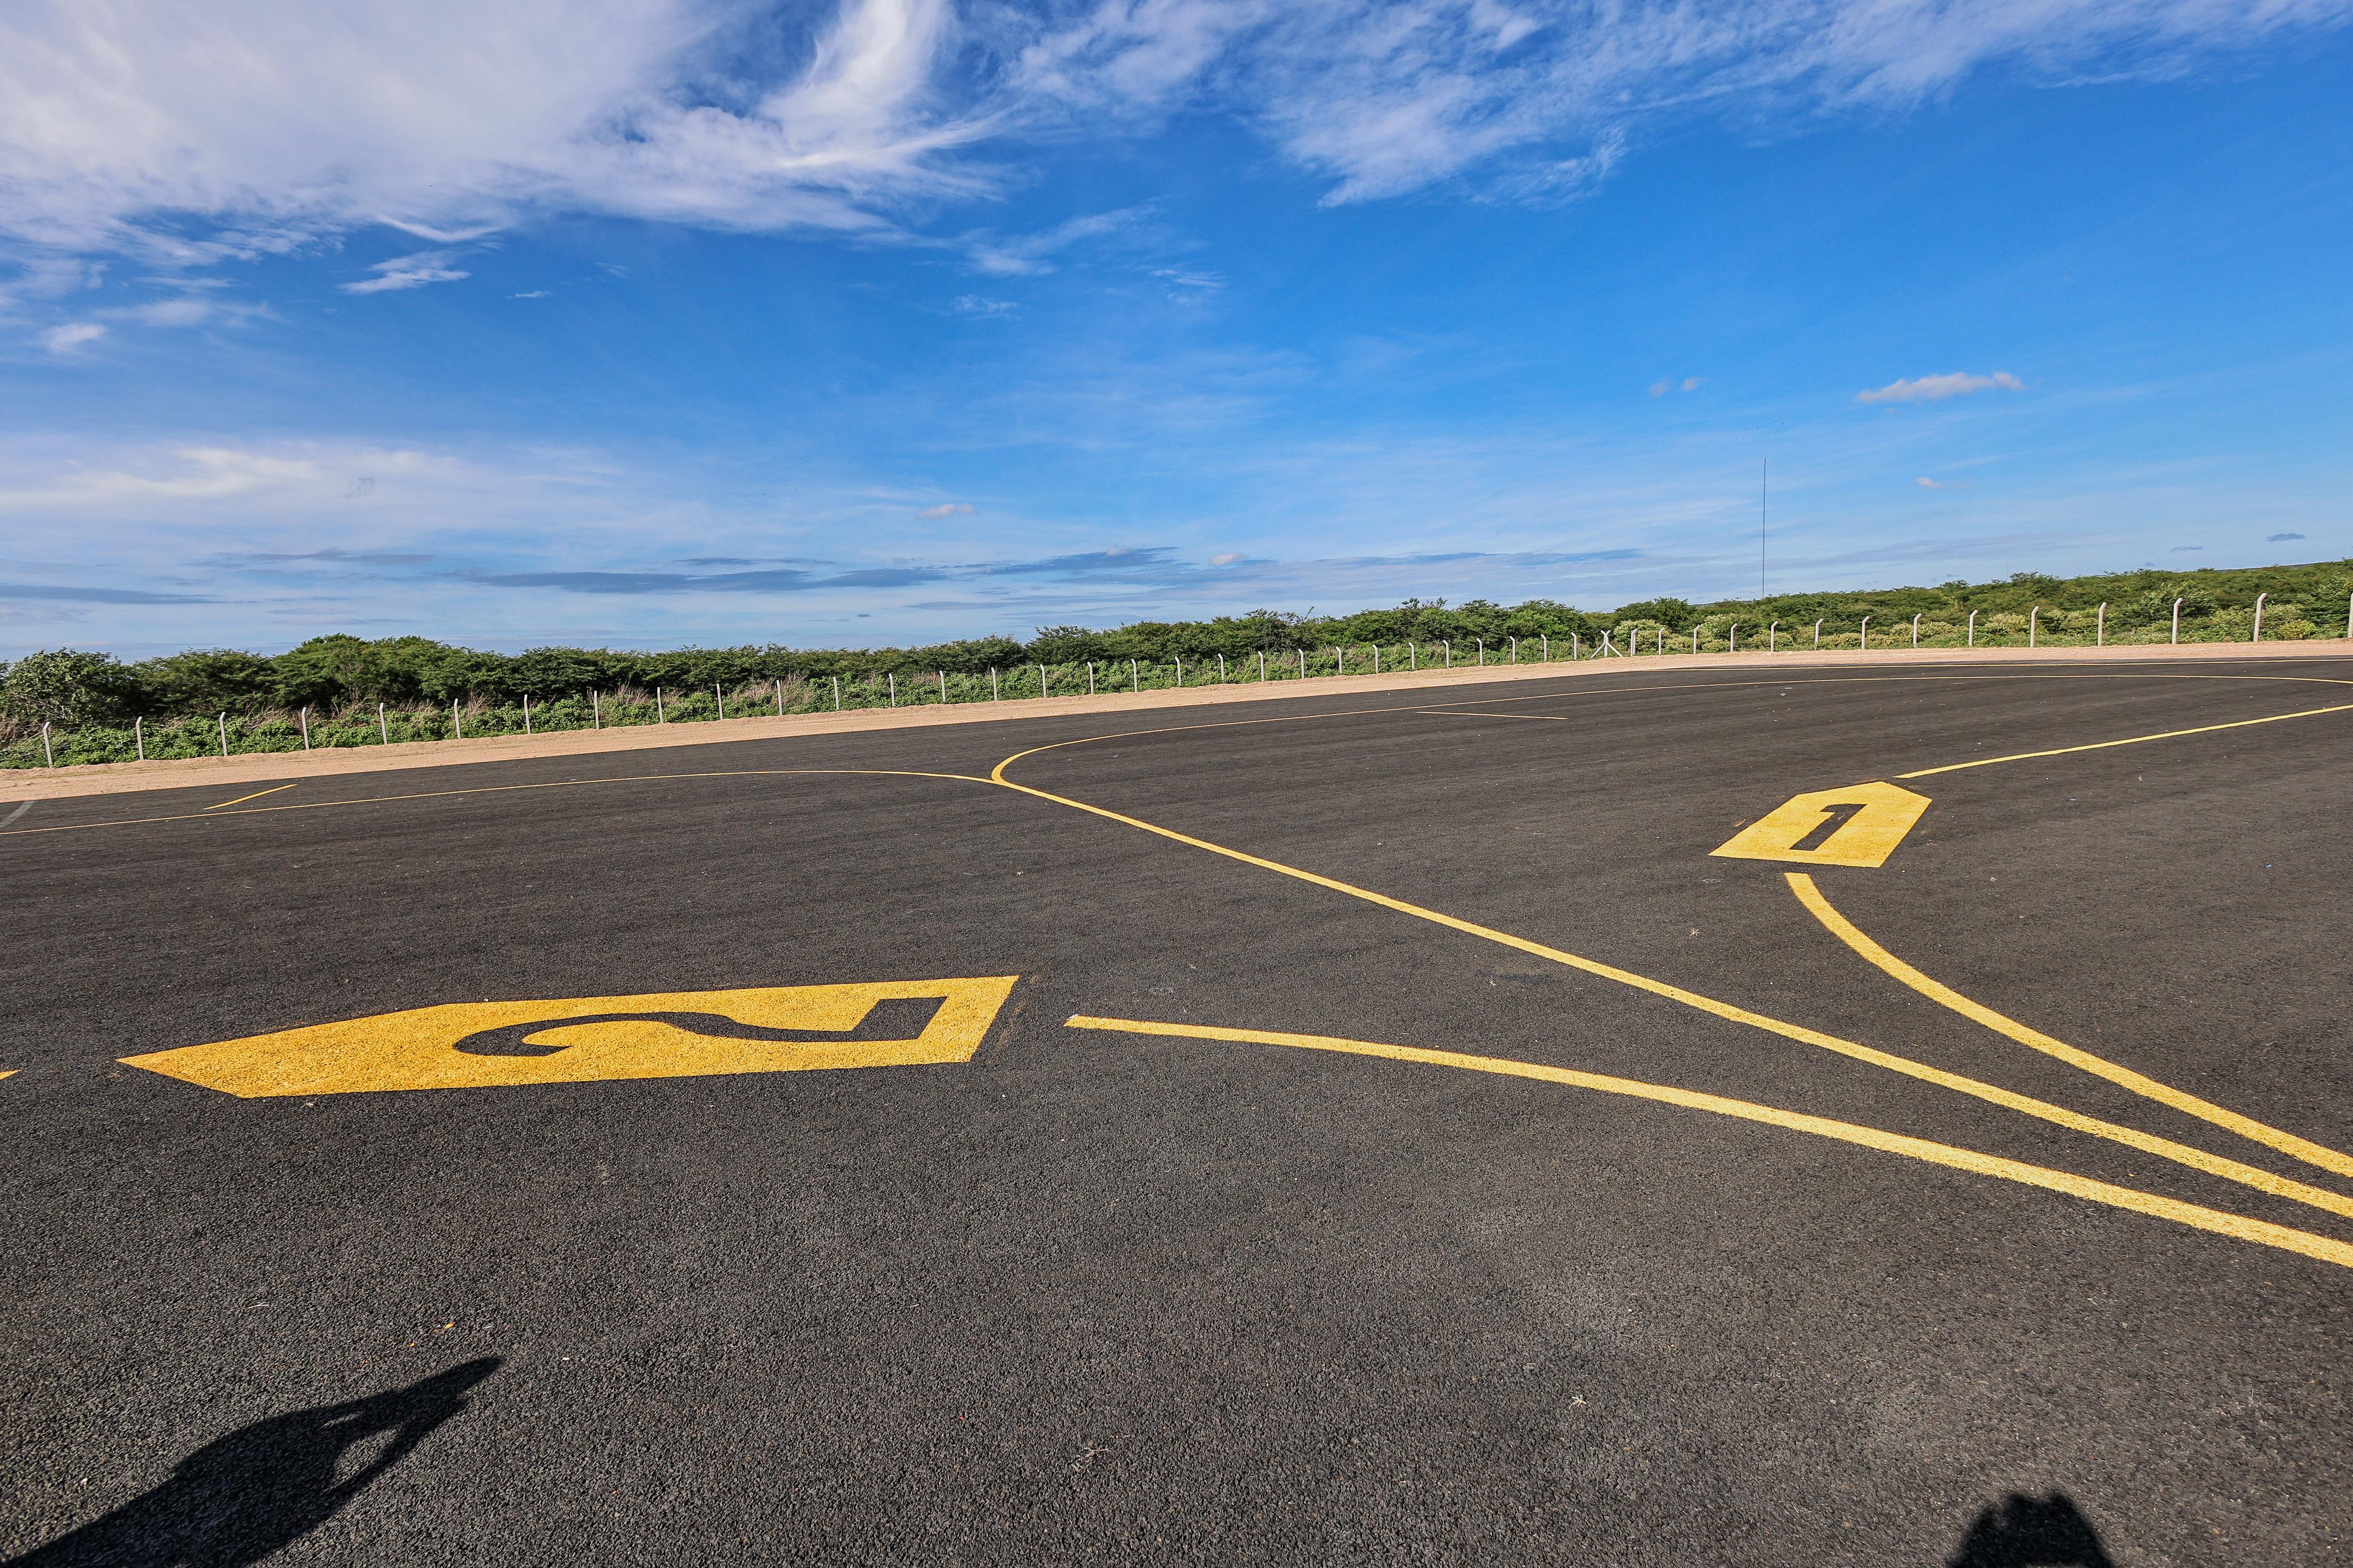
2032	1532
241	1497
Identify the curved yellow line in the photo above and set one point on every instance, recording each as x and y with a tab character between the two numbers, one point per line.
2043	1110
2327	1249
1944	996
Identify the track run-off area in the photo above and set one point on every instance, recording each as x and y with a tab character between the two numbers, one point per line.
1824	1113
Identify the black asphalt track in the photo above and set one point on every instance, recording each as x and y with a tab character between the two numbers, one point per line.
1101	1295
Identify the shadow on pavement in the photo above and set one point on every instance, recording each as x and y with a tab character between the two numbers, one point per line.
2032	1532
240	1497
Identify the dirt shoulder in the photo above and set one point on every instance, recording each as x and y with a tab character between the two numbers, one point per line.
1453	685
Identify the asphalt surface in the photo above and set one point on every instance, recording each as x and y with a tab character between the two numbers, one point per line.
1102	1295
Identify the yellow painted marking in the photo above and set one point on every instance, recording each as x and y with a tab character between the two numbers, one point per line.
2129	741
1846	931
416	1049
257	795
2043	1110
2238	1228
10	1072
498	789
1866	838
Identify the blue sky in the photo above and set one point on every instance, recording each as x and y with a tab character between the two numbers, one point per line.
649	322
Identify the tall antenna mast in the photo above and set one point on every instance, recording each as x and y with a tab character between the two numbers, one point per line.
1764	478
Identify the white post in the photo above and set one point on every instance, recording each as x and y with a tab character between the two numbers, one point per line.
1091	677
1262	666
1915	629
1694	639
1572	647
2033	622
1516	650
1732	639
1180	670
1221	669
1450	653
2259	617
1041	680
2102	635
1377	659
780	697
721	697
836	694
1818	634
1413	654
526	712
659	717
992	684
138	738
383	730
1482	653
890	679
1866	634
2176	620
943	688
49	757
458	724
1973	629
224	735
1773	637
1135	677
306	725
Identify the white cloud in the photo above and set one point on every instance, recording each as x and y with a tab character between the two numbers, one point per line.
1935	388
945	509
981	305
1925	483
407	272
72	337
1383	97
127	126
451	117
1225	558
533	294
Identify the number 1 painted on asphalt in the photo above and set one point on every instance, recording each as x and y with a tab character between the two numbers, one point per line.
1877	818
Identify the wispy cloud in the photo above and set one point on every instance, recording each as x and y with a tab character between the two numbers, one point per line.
1925	483
945	509
72	337
2280	538
981	305
448	118
1935	388
408	272
1029	255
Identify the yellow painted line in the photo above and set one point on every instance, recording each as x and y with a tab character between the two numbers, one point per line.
1944	996
1887	813
2149	1144
500	789
257	795
2128	740
10	1072
589	1039
2238	1228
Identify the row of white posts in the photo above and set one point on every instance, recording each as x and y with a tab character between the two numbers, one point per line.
1136	677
